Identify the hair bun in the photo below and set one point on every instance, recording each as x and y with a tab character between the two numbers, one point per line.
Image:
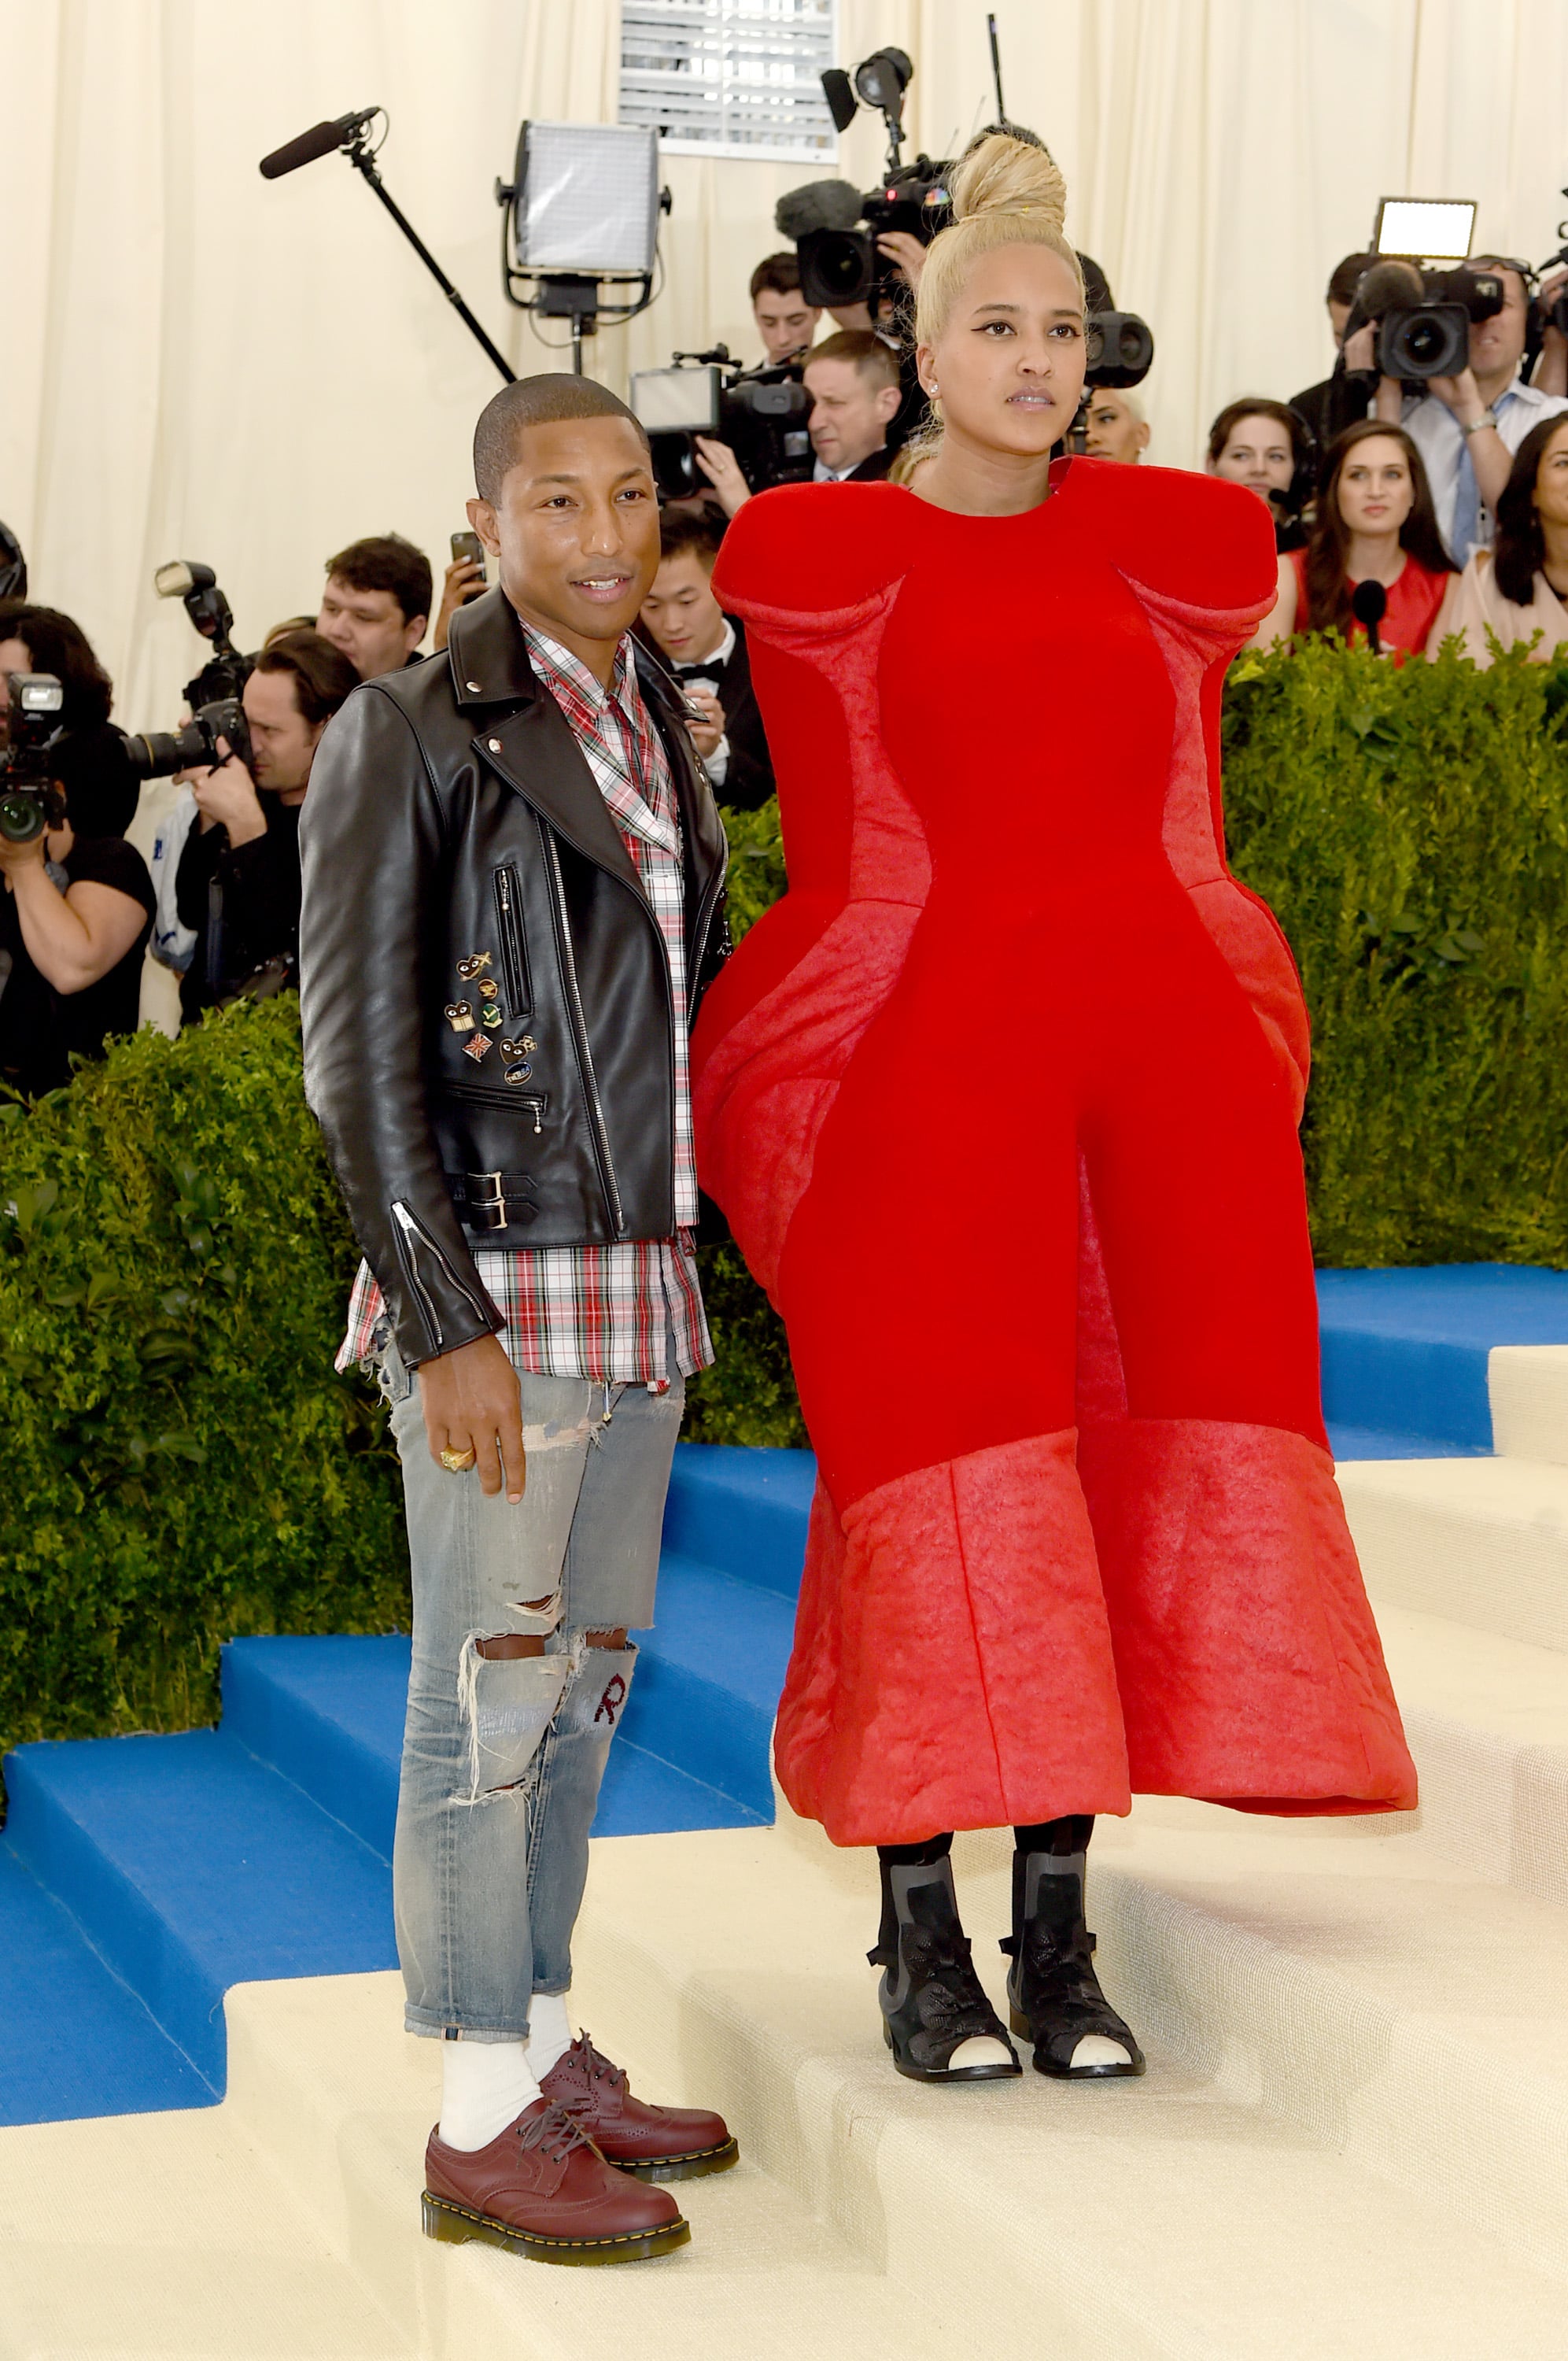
1001	174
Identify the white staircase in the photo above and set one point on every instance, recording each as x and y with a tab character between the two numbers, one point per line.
1352	2141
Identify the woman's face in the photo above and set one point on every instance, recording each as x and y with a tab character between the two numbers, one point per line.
1008	366
1257	452
1550	481
1375	494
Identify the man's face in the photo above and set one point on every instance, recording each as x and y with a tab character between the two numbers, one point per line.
681	611
850	417
368	627
1497	346
1112	432
575	531
282	742
1338	315
1257	454
786	323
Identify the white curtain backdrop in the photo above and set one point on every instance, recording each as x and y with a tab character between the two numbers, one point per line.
195	362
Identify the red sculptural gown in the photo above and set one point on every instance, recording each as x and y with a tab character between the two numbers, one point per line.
1001	1101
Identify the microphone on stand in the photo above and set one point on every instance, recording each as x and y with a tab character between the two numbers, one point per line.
324	139
1370	604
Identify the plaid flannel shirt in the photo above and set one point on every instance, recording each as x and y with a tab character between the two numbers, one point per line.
603	1312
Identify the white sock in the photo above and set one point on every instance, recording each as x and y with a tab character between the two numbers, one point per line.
485	2086
549	2032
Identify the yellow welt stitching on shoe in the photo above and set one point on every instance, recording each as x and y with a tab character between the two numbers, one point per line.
541	2237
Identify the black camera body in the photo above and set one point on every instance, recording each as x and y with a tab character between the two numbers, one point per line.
157	752
1430	336
839	265
30	797
761	414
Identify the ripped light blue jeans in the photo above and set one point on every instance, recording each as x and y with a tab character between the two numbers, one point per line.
503	1756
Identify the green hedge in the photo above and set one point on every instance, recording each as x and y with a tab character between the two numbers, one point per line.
1409	826
179	1463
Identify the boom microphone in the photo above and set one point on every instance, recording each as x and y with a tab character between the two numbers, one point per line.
324	140
820	204
1387	286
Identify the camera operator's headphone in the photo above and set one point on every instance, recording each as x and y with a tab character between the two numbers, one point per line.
13	565
1303	486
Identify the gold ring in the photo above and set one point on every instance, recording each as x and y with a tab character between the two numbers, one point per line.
455	1462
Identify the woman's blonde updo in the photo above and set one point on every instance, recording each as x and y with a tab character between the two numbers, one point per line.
1005	191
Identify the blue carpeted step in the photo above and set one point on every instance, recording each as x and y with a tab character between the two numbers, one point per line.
1405	1352
741	1511
191	1866
328	1713
76	2039
709	1678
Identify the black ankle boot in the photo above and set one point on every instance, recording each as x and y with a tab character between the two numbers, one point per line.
1053	1993
932	1999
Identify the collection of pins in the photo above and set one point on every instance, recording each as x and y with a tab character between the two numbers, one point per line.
484	1021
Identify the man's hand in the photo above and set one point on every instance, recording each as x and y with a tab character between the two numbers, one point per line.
465	580
227	793
720	464
1460	394
472	1402
706	734
1361	350
14	858
901	247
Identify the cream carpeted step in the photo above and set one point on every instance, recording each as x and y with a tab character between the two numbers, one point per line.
1483	1541
1267	2190
1528	1388
323	2076
1487	1722
168	2238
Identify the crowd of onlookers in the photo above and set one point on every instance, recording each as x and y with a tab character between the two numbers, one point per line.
1451	497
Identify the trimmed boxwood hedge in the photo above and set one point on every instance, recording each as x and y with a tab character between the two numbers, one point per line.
178	1462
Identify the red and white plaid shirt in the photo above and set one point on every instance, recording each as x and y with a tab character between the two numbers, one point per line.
603	1312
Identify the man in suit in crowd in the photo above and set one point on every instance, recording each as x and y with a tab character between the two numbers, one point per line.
706	649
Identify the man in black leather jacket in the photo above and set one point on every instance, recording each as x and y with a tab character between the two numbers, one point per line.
513	897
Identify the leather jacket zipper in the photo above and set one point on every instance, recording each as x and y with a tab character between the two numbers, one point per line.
580	1038
411	1230
515	958
533	1103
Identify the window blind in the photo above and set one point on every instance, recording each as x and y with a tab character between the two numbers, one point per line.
729	77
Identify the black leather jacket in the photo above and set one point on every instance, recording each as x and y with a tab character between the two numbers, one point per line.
459	860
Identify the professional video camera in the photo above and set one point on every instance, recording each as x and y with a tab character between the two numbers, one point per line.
30	797
761	414
834	226
1423	317
226	672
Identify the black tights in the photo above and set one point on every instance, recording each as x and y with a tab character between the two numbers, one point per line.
1068	1835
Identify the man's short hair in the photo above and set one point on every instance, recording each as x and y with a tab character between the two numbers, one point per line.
876	360
777	274
322	674
698	530
386	562
1346	276
543	401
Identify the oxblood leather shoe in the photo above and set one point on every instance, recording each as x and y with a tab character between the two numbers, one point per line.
542	2188
652	2143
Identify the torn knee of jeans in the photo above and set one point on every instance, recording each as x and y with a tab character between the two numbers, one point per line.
536	1620
506	1704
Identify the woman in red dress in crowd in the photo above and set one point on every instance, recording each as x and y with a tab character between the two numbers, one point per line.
1375	523
1001	1101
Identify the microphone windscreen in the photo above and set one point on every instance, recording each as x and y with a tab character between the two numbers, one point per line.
1369	603
1388	287
820	204
320	141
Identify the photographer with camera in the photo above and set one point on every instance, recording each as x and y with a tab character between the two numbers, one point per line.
239	882
786	321
706	649
377	602
855	382
89	756
1346	394
1468	426
76	910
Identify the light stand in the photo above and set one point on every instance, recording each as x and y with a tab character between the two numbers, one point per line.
362	156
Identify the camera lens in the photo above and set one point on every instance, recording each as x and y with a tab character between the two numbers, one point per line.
21	819
841	263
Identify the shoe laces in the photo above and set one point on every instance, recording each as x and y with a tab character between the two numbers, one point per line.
595	2066
555	2133
952	1998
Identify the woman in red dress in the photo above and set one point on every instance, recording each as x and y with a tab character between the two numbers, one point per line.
1001	1101
1375	523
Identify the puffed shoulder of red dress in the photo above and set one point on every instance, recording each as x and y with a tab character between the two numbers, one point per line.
816	548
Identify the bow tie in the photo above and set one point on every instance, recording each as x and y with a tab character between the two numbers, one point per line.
711	669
